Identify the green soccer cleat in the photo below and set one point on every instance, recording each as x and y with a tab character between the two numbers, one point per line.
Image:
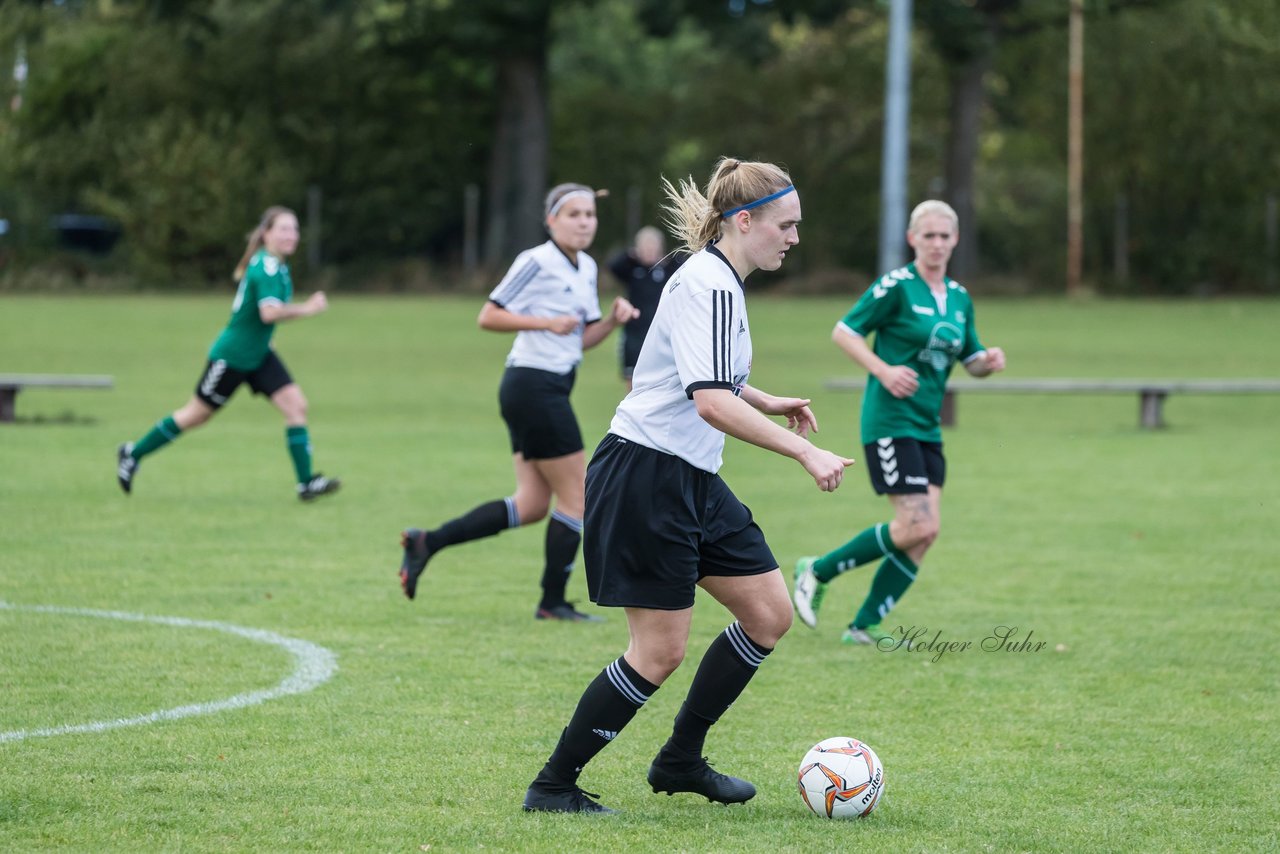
866	635
808	594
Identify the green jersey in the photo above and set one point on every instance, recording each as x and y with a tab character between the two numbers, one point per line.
247	340
915	328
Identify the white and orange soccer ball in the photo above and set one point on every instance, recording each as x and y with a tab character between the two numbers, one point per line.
841	778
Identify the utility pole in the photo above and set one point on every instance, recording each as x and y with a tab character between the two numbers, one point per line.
19	77
897	110
1075	147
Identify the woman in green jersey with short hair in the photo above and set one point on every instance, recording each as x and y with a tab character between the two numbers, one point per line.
242	353
923	323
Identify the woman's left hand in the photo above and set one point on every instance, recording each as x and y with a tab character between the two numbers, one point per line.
624	311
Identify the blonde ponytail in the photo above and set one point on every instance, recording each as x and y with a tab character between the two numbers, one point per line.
696	219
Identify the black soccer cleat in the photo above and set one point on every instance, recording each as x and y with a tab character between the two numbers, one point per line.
548	797
414	562
126	467
317	486
672	774
565	613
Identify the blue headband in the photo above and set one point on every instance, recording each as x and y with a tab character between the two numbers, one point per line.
758	202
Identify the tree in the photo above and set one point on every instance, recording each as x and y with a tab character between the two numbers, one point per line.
519	150
968	35
184	120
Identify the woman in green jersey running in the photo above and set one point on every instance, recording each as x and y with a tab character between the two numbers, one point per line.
923	323
242	353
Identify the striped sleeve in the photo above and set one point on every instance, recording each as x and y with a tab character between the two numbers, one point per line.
522	272
702	341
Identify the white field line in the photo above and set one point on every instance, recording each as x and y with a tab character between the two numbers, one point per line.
313	666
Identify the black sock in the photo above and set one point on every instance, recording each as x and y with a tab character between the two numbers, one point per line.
564	533
728	666
483	521
609	703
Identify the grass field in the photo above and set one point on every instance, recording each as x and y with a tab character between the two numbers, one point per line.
1145	561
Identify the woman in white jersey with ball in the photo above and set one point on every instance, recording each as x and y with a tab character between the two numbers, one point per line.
660	521
549	299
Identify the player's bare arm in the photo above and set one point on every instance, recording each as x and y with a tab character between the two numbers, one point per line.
620	313
899	380
276	312
495	318
800	418
734	416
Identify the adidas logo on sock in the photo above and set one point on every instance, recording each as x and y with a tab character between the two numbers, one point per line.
607	735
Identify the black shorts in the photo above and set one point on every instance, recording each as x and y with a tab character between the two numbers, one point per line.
219	380
656	525
535	405
901	466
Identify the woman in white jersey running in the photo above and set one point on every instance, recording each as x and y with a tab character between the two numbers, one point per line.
660	521
549	299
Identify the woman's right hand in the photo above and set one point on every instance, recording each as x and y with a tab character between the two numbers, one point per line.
562	324
899	380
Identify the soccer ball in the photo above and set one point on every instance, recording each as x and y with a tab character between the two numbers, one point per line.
841	778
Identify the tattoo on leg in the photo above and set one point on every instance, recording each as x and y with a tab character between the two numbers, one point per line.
917	509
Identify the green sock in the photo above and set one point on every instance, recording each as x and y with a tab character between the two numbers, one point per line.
864	548
300	451
894	576
157	437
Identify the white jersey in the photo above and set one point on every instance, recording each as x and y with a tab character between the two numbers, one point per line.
699	339
542	282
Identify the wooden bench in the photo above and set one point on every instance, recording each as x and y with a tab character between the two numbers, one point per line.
1151	393
11	384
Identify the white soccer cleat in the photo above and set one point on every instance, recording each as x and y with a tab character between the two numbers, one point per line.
808	594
